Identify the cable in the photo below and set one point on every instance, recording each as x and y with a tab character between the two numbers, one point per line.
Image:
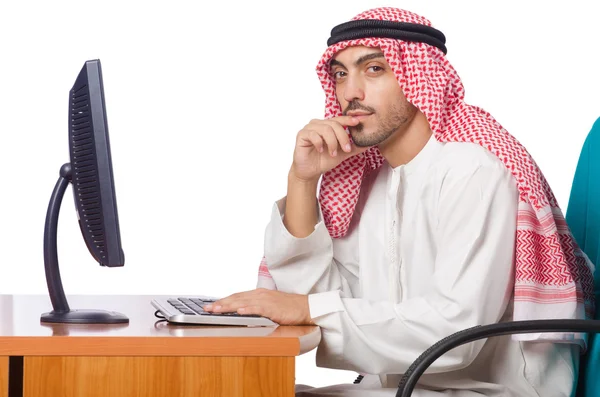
158	314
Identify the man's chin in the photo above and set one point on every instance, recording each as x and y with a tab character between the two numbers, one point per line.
362	138
359	143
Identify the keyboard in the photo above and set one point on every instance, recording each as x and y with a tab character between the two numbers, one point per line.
188	310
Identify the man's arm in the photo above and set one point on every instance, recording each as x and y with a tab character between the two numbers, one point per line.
313	263
301	206
298	248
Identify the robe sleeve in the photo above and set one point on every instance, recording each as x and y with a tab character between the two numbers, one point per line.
471	285
311	264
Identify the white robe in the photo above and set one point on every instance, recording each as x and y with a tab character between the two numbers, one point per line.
429	252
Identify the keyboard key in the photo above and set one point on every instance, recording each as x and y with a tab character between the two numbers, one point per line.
196	308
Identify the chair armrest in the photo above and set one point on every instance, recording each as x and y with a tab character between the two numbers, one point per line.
419	366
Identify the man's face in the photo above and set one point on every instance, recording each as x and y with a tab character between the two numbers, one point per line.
367	88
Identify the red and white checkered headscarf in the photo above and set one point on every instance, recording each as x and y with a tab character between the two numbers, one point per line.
553	277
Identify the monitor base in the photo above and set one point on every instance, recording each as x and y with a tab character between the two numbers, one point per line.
84	317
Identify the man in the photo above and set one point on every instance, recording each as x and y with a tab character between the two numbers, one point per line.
429	220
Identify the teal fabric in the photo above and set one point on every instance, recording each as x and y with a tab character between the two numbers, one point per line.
583	218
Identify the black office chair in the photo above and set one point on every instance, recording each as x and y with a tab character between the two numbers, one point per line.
419	366
584	221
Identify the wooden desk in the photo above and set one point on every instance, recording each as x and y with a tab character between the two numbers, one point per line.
145	358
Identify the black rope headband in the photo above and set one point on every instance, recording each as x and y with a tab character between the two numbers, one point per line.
394	30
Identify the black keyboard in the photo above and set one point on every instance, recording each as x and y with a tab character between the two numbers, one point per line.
193	306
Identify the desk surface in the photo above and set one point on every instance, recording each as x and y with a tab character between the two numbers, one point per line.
22	333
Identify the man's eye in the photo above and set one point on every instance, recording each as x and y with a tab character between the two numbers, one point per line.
338	74
376	68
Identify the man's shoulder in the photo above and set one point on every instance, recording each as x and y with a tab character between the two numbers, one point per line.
467	156
458	162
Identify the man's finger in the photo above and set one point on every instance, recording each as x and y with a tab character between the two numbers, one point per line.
228	300
345	121
328	134
316	139
354	150
341	135
252	309
229	306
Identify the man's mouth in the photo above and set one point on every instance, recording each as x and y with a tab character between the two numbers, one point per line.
359	115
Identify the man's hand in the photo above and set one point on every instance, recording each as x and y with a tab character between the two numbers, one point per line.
280	307
322	145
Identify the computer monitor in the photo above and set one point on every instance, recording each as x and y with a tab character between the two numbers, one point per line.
90	174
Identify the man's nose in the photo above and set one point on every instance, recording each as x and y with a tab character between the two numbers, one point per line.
354	89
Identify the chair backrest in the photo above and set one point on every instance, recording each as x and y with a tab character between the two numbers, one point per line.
583	218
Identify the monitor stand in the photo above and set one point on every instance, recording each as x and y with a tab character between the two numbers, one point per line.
61	312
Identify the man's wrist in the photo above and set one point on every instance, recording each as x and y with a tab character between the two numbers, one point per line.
301	212
307	318
296	180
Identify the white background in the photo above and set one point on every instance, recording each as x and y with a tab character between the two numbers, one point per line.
204	100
